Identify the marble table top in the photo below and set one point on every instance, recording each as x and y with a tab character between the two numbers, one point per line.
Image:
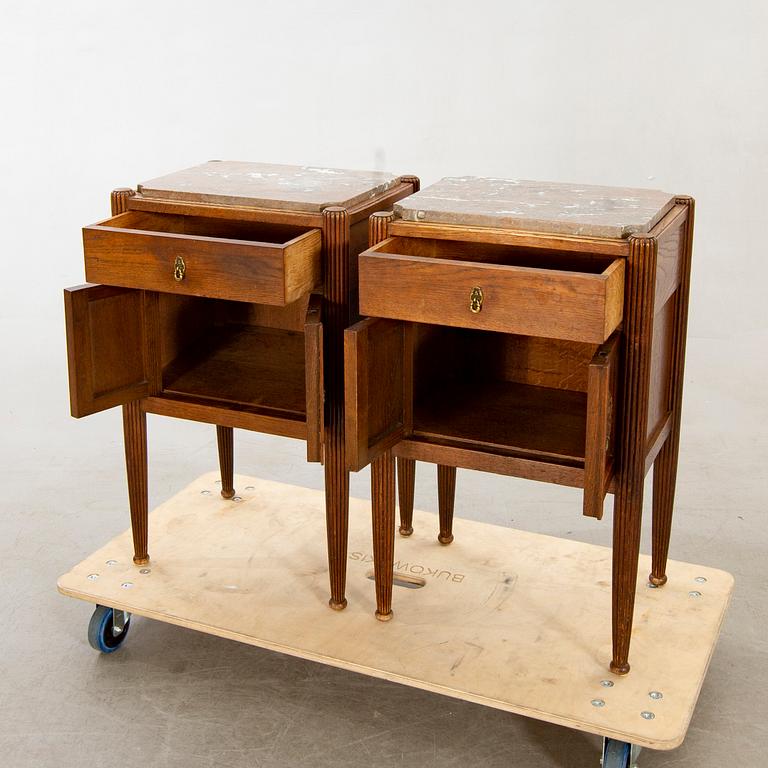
262	185
541	206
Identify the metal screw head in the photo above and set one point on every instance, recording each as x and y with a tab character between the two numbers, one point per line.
701	579
597	703
205	493
656	695
145	570
93	576
111	562
694	593
127	584
646	715
606	683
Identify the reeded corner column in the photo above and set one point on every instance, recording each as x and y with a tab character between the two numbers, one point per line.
135	438
119	199
225	441
406	485
336	275
378	227
378	230
383	513
446	493
414	181
665	465
640	286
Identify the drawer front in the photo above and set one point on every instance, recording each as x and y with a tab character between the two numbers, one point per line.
576	306
119	252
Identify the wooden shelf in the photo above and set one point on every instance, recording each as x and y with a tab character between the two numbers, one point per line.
506	417
243	366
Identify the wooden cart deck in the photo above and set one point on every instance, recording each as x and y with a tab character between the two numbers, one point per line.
509	619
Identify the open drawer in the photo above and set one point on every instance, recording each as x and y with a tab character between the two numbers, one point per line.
517	405
223	362
526	291
238	260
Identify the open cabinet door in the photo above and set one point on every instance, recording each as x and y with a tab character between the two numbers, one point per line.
106	347
374	389
315	384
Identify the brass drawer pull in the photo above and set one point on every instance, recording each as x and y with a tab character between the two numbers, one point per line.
179	269
476	300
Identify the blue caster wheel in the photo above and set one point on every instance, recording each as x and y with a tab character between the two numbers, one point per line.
617	754
107	629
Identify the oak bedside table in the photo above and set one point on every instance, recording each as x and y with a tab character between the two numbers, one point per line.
222	293
527	329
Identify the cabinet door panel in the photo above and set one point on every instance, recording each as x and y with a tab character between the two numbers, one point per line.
106	347
602	390
315	384
374	384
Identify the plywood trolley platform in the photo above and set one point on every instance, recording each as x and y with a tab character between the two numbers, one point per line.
521	635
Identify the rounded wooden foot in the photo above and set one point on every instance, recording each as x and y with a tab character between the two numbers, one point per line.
143	560
445	540
406	531
228	494
658	581
384	616
338	606
617	669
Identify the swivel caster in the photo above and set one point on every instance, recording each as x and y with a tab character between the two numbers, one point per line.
108	628
619	754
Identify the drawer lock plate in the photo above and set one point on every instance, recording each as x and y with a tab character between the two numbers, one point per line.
476	300
179	269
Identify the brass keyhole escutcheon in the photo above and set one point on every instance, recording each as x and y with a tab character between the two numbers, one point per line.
179	269
476	300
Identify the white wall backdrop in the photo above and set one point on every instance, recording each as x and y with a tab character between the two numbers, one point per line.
95	95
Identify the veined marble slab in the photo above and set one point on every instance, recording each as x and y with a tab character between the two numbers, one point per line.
540	206
265	185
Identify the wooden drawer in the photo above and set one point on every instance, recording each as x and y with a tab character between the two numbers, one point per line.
243	261
531	292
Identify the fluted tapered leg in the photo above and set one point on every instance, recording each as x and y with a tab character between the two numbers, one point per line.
664	478
665	466
383	505
135	438
446	493
226	444
406	481
628	506
336	318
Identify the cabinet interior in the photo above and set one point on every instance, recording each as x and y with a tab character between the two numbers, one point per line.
505	393
233	354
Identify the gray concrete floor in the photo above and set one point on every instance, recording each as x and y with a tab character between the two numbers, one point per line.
173	697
